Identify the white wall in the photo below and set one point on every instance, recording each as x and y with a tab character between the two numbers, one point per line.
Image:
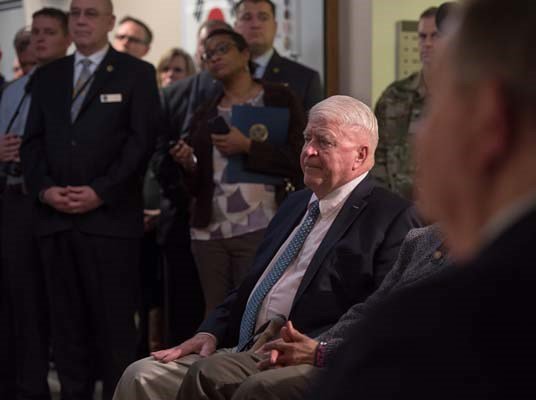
10	22
355	66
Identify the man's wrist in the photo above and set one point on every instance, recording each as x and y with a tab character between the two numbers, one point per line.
320	355
209	335
41	196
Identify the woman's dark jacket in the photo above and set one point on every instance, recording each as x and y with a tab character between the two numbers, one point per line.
263	157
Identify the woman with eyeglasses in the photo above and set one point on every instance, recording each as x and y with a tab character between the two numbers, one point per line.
228	220
175	64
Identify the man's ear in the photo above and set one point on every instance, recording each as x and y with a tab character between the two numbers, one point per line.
362	154
147	48
112	23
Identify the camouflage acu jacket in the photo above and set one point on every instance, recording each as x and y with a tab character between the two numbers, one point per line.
398	110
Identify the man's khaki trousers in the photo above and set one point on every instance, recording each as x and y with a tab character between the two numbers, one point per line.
224	375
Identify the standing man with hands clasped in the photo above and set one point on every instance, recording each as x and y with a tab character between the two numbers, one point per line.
87	142
21	267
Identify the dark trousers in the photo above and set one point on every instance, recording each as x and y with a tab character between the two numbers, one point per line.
26	298
151	295
93	287
184	304
7	373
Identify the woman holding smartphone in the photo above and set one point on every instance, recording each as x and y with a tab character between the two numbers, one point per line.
229	219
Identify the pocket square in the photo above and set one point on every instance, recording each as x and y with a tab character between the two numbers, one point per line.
111	98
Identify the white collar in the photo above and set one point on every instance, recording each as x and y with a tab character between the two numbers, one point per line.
336	198
95	58
264	59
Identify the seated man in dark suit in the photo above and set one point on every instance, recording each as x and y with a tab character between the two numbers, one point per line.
469	332
327	248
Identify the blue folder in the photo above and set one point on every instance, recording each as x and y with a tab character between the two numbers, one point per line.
276	121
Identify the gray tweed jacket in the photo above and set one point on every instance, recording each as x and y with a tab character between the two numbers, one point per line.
421	256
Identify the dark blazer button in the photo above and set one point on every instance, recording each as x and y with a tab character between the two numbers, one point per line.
73	143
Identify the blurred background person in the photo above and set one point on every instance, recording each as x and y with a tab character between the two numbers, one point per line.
229	219
50	40
26	57
2	79
133	37
255	20
184	303
16	69
174	65
399	110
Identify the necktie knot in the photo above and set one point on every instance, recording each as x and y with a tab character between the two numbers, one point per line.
86	62
314	209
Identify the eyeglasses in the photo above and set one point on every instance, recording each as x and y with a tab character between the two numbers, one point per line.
219	50
130	39
89	13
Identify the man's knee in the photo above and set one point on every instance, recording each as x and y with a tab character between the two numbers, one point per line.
146	379
209	368
139	372
289	383
256	386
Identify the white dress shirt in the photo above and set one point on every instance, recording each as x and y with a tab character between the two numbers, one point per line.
262	63
280	298
96	58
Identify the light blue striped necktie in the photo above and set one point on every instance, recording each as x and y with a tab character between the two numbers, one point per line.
80	88
249	318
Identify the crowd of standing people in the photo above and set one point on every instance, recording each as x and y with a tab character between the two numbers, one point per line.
213	228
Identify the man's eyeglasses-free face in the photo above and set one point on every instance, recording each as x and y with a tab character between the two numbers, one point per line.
130	39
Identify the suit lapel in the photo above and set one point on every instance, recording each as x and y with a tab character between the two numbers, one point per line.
104	71
351	209
66	87
273	69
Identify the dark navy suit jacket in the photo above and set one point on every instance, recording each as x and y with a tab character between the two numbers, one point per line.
107	147
357	252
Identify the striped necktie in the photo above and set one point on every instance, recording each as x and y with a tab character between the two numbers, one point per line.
80	88
249	318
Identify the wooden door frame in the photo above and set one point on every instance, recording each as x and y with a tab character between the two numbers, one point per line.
331	46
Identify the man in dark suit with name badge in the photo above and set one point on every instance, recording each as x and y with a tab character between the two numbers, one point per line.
327	248
88	139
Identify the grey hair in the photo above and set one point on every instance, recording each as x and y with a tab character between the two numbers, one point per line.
345	111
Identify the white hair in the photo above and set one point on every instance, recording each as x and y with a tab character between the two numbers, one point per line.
345	111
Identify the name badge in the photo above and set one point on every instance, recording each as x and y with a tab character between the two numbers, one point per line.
111	98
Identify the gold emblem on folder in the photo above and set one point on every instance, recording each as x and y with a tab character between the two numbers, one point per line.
258	132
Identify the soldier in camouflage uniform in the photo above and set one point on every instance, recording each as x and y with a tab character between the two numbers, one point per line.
398	111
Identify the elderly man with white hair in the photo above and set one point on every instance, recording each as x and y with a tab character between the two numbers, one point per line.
328	247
